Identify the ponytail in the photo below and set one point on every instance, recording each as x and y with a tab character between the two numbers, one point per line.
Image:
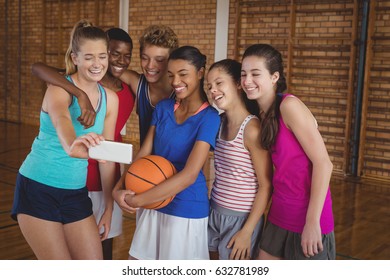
81	31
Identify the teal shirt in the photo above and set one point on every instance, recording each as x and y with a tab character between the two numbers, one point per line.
48	163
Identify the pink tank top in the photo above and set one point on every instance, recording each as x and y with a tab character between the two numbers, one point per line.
292	183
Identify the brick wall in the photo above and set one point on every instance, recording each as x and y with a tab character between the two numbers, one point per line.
375	149
316	39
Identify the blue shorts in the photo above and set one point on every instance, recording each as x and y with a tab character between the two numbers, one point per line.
50	203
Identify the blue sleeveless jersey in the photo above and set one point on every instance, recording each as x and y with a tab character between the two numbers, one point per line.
48	163
144	107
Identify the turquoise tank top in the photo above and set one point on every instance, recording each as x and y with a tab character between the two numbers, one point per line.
48	163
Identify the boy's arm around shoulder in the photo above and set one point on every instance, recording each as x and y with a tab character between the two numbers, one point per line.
52	75
131	78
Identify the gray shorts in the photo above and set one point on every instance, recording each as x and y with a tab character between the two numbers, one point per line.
286	244
223	224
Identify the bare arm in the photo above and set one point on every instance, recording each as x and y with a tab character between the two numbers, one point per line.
177	182
52	76
55	103
299	119
131	78
119	192
262	163
107	169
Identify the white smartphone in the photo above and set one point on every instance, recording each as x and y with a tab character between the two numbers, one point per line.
112	151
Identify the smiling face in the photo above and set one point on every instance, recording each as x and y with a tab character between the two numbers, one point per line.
154	62
119	57
256	80
222	88
184	78
91	59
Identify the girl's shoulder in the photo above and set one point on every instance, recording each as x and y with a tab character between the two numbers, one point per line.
252	120
212	115
209	117
252	126
286	96
108	91
212	110
166	102
294	110
112	98
57	93
289	101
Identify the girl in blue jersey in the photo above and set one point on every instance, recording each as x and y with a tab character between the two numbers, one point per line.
51	202
183	133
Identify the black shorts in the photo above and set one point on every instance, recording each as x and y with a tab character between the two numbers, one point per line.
50	203
286	244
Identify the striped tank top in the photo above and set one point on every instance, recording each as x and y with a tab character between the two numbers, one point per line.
235	185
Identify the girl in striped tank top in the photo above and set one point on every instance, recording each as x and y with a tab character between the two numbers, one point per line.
242	185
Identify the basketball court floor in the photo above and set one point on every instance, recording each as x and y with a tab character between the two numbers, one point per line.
361	208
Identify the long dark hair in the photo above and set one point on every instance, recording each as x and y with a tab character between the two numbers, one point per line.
195	58
273	63
233	69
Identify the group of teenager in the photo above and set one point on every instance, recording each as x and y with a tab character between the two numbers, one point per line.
270	198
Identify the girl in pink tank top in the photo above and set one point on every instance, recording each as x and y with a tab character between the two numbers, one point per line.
300	220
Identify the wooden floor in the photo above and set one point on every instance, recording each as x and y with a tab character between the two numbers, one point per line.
362	209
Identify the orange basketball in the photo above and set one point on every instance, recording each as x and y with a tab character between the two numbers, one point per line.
147	172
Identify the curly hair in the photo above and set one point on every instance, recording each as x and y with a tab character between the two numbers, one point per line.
160	36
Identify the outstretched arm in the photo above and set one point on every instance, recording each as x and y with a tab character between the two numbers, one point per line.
52	75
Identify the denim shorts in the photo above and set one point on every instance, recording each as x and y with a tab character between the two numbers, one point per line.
50	203
287	244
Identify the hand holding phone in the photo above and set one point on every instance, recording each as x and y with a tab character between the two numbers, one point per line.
112	151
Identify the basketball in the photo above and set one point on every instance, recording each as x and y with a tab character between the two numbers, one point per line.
147	172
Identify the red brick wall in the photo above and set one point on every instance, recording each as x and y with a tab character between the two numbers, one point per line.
375	150
318	55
